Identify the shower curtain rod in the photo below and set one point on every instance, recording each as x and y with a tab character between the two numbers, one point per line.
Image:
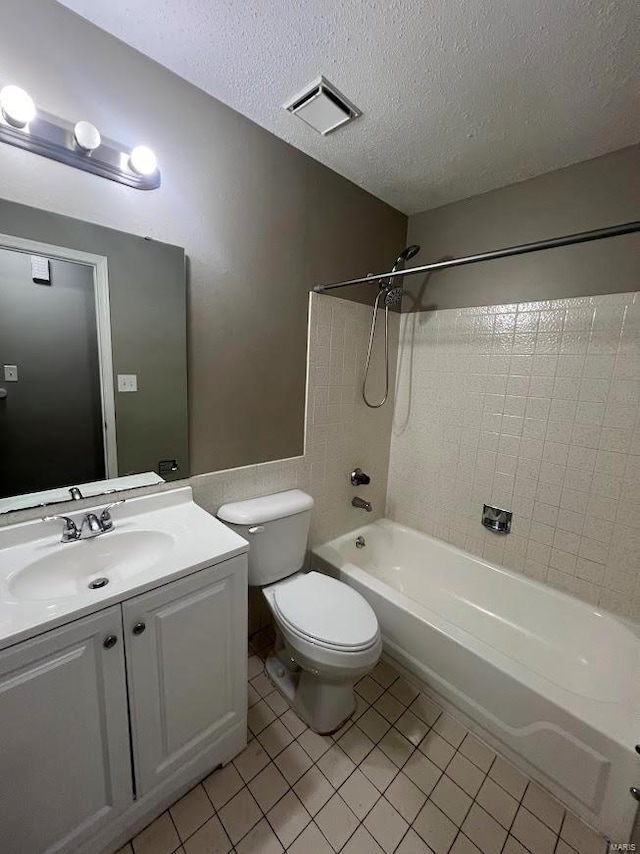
522	249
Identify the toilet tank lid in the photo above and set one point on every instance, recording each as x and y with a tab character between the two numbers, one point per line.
255	511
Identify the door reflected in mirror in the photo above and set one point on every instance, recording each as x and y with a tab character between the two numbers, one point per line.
92	372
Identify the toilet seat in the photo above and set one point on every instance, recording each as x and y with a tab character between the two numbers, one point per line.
326	612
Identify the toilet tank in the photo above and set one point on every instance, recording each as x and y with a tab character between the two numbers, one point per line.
277	528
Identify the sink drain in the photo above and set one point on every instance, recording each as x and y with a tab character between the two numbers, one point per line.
97	583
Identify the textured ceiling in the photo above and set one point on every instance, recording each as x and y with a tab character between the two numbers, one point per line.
458	96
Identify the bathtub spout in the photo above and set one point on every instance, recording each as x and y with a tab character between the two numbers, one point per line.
361	504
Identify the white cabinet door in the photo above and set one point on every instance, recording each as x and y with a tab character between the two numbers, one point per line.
186	667
65	767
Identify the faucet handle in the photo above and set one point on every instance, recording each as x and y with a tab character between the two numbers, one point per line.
106	521
69	532
359	478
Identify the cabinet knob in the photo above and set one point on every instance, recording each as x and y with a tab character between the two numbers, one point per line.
139	628
109	641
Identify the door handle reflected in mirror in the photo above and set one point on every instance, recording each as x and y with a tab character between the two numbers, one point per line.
3	393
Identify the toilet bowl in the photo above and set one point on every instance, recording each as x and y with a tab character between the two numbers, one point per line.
329	639
327	634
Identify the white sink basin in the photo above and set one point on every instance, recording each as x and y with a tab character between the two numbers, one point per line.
72	567
155	539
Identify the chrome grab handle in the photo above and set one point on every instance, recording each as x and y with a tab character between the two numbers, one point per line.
69	532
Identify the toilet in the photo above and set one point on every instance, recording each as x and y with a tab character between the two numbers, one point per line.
327	634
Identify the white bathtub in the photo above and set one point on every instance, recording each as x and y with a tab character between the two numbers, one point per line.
552	682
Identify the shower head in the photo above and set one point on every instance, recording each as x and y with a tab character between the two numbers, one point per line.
393	287
406	254
391	292
393	296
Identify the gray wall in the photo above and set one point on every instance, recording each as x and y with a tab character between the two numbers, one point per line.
260	221
147	297
51	419
593	194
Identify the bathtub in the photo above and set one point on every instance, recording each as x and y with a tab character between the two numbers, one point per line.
550	681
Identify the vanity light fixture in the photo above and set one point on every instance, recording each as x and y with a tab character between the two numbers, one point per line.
87	136
80	145
143	161
17	106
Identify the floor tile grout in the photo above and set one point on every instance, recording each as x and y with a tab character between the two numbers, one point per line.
373	742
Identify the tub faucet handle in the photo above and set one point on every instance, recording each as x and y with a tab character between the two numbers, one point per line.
359	478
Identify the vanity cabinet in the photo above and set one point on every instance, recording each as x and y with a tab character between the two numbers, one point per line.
103	720
65	767
186	666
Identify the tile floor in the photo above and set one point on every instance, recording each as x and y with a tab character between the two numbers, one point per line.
402	776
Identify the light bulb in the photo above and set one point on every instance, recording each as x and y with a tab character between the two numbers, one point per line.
17	106
87	136
142	160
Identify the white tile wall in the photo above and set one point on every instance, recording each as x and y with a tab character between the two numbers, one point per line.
535	408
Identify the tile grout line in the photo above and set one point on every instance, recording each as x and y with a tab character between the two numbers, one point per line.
515	815
399	764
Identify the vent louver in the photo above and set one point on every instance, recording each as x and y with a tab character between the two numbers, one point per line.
322	107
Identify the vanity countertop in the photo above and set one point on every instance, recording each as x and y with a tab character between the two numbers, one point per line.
155	539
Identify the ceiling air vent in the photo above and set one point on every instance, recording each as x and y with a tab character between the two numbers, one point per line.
322	107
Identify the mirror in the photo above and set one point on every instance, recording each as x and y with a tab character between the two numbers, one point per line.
93	365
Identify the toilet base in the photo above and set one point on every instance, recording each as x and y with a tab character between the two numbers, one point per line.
284	675
324	705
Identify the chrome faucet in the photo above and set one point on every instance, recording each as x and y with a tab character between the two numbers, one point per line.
70	531
75	493
91	526
361	504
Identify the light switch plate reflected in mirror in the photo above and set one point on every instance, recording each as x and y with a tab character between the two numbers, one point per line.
127	382
11	373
